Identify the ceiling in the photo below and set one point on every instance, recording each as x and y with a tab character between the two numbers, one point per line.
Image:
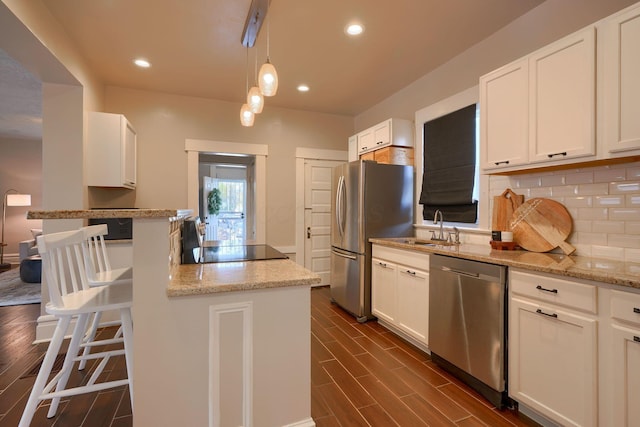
195	50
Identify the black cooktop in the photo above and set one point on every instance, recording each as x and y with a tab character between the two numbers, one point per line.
239	253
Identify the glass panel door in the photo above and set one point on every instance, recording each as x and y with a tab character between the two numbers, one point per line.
231	221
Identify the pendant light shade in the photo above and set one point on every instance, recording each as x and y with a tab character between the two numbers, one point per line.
268	79
246	116
255	100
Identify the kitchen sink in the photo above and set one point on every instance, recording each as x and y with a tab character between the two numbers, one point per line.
428	242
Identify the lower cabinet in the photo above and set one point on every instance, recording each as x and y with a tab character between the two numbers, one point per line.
553	362
625	340
400	291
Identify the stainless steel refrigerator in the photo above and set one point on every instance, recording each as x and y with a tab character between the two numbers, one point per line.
369	199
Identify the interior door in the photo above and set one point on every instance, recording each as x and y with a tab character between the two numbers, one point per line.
317	208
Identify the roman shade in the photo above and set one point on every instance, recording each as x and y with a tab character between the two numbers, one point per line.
449	166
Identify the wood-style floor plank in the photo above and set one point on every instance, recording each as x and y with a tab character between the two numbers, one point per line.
361	375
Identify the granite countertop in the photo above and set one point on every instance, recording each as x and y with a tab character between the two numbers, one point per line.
596	269
201	279
108	213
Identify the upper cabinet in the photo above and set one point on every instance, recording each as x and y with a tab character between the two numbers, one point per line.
620	36
504	100
541	108
111	151
394	132
562	99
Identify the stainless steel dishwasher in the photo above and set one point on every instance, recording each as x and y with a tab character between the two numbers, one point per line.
467	323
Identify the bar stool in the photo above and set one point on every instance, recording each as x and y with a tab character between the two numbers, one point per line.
100	273
72	297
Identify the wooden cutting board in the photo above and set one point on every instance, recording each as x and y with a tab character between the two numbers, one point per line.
504	206
540	225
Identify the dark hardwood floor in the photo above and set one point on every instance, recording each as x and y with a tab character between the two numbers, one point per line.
361	375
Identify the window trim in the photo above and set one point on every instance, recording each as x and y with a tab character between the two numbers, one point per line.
433	111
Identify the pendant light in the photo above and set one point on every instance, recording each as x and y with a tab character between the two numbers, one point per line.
246	115
268	78
254	97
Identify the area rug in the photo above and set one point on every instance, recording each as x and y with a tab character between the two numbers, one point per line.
14	291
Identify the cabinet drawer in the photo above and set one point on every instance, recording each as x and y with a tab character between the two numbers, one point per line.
625	306
554	290
415	259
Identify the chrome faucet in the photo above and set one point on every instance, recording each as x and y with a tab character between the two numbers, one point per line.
435	221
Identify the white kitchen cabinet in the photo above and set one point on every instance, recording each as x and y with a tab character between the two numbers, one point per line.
111	151
553	363
621	86
400	292
504	116
353	148
625	331
562	98
383	289
395	132
541	108
413	302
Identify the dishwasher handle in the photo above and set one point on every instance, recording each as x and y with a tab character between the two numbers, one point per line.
460	272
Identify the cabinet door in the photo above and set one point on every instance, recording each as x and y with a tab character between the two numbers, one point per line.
382	134
504	116
626	376
129	152
413	302
562	99
621	94
365	141
383	289
553	362
353	148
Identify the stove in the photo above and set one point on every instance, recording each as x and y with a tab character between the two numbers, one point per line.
240	253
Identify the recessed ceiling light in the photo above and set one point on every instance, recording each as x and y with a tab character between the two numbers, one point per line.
354	29
303	88
142	63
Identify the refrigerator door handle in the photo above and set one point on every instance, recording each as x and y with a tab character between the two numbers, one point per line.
344	255
339	205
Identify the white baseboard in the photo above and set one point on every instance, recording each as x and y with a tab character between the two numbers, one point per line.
303	423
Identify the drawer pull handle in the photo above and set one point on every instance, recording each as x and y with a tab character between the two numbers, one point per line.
554	315
636	339
553	291
636	310
413	273
564	153
382	264
506	162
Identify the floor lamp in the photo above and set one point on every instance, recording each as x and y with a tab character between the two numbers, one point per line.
11	198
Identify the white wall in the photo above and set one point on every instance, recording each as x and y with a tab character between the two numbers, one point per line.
163	122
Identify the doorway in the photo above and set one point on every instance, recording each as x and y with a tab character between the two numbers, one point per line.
313	194
256	204
227	199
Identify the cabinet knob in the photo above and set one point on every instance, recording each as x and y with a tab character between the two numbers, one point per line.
636	310
636	339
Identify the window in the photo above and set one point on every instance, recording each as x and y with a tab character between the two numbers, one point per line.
450	166
432	112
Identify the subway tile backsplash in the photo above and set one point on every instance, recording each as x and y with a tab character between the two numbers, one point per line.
604	202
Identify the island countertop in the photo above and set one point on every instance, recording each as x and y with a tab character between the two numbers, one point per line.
107	213
596	269
202	279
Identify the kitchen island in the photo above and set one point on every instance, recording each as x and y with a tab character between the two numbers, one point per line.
214	344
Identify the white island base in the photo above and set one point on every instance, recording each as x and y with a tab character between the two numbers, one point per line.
229	347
